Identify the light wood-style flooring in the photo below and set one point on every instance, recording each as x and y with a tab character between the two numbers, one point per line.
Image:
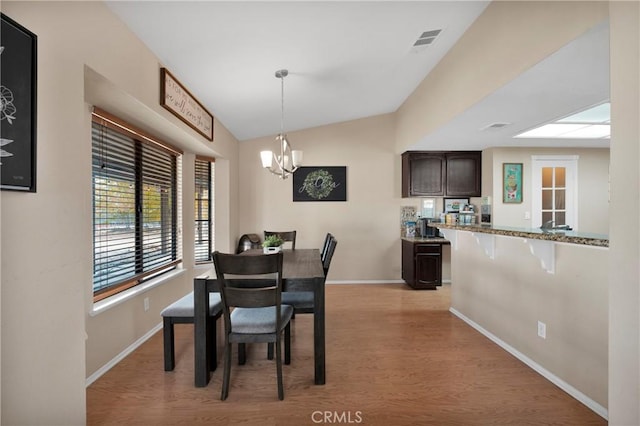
395	356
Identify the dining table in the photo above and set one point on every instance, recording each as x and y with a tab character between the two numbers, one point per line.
301	271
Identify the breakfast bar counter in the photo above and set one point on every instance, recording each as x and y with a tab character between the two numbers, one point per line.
540	295
556	235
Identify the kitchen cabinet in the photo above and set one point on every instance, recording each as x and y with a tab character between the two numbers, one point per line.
423	174
422	262
435	173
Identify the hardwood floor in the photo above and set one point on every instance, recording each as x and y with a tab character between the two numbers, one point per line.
395	356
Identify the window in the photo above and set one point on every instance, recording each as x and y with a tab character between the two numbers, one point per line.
204	242
134	206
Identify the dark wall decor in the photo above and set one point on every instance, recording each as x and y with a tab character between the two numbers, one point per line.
179	101
320	184
18	67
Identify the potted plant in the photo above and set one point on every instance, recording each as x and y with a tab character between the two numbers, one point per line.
272	244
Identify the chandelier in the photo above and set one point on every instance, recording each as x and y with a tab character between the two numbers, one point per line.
286	160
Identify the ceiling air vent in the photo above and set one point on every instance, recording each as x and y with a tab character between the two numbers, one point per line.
495	126
427	38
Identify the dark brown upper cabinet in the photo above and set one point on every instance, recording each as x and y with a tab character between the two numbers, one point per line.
450	174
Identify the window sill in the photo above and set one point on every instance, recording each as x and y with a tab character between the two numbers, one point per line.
110	302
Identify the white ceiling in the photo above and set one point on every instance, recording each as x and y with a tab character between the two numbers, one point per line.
349	60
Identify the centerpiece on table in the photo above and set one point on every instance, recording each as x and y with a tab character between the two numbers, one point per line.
272	244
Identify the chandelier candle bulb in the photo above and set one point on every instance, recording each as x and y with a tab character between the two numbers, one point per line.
267	158
297	158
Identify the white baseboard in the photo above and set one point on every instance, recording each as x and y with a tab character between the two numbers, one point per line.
590	403
132	347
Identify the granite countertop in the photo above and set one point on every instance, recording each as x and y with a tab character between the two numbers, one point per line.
571	237
440	240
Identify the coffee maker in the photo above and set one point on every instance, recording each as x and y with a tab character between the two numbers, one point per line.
423	228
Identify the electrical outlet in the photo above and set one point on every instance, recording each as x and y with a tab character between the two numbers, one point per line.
527	215
146	303
542	330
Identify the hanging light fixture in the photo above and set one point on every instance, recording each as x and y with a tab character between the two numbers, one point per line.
286	160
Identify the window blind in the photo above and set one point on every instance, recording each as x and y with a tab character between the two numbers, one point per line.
204	242
134	209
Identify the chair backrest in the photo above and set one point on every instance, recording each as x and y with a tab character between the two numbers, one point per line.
287	236
325	246
327	259
249	281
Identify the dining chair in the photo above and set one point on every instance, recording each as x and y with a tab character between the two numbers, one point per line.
326	262
252	307
302	301
325	246
287	236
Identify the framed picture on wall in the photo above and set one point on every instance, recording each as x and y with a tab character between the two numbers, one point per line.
512	183
320	184
454	205
18	77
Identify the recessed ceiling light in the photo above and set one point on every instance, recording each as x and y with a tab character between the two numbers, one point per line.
592	123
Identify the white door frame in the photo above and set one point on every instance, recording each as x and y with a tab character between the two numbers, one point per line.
570	163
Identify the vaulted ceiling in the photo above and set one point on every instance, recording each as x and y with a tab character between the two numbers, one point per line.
349	60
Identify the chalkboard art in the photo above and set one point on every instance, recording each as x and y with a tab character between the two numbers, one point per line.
320	184
18	59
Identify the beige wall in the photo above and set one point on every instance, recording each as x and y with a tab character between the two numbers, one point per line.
624	230
509	294
46	236
367	225
593	186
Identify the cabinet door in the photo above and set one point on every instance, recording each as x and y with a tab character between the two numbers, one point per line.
423	174
428	272
463	174
408	263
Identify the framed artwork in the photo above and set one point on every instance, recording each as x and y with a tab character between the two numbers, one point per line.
320	184
512	183
18	77
181	103
454	205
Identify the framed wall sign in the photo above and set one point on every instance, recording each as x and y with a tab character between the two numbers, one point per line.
177	99
320	184
512	183
18	77
454	205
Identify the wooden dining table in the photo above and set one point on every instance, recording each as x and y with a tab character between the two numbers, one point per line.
302	271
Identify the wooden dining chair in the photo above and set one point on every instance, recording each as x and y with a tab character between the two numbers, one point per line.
287	236
325	246
252	307
302	301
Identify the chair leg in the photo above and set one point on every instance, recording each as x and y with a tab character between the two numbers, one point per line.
242	353
227	370
169	347
287	344
213	349
279	369
269	350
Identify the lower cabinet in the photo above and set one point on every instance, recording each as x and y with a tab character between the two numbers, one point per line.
422	264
